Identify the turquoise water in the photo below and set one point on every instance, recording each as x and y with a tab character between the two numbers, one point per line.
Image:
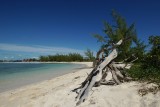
14	75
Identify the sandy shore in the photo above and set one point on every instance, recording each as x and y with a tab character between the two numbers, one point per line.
56	92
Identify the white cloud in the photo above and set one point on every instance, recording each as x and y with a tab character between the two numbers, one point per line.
38	49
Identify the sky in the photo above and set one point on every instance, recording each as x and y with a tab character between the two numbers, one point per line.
30	28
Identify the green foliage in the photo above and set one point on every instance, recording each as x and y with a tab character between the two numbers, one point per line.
136	72
152	58
43	58
75	57
139	50
89	55
115	32
31	60
155	42
60	58
99	38
151	73
149	68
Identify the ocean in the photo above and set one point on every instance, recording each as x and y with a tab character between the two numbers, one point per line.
15	75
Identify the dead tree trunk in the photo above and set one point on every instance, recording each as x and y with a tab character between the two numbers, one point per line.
98	59
101	69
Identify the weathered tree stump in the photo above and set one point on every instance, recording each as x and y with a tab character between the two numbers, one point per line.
102	67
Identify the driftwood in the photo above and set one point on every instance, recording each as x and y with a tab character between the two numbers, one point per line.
101	69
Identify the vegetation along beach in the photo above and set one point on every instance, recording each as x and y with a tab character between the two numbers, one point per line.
79	53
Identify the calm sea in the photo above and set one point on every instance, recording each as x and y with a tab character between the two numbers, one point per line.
14	75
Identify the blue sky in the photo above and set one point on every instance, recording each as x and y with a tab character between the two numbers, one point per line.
30	28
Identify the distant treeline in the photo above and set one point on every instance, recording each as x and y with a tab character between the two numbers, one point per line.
60	58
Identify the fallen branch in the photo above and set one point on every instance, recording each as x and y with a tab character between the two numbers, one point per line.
101	70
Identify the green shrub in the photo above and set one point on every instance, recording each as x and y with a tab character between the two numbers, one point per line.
61	57
151	73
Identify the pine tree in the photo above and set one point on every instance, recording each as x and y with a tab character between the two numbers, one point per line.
117	31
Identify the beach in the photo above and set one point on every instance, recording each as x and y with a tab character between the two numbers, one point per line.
14	75
56	92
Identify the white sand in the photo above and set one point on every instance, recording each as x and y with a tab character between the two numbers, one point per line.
57	93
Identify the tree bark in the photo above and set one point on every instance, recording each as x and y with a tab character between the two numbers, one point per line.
101	69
